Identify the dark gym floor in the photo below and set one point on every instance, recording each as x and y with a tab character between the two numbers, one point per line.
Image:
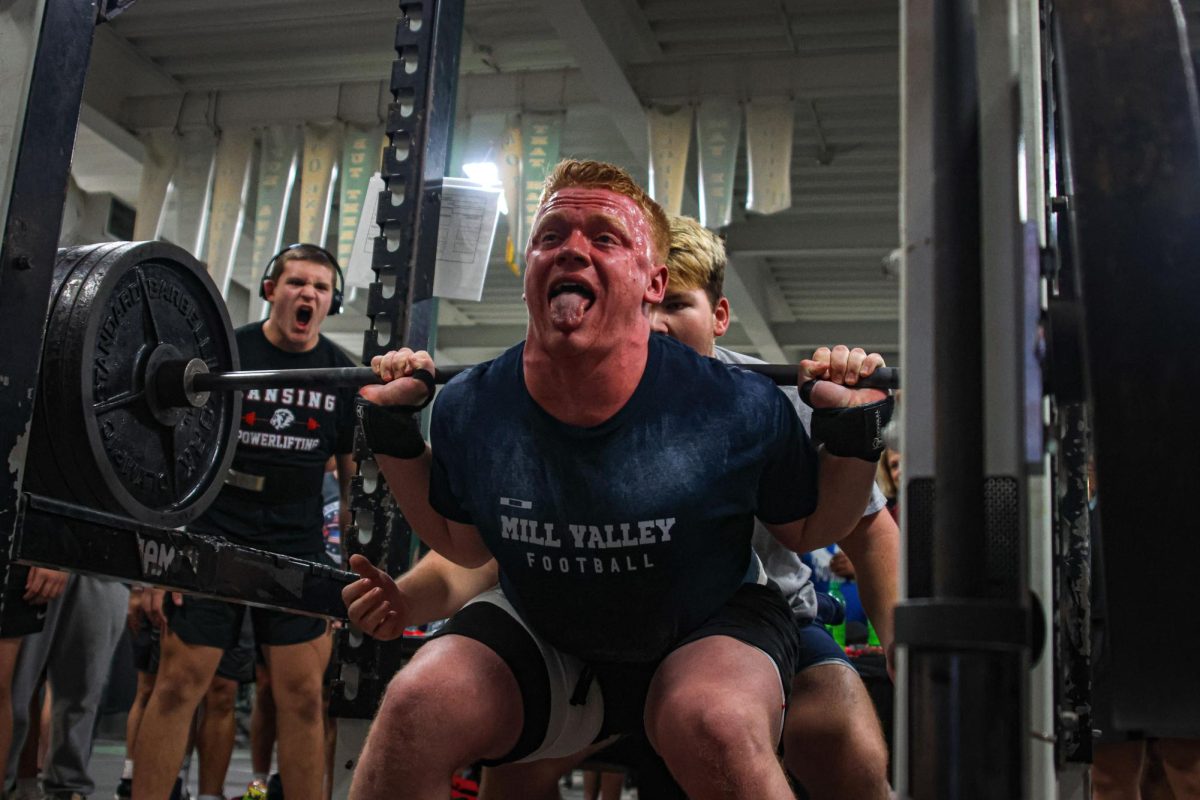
109	755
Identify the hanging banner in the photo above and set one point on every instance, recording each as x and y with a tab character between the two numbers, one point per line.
769	128
509	165
718	129
186	222
541	138
670	138
316	179
231	180
160	155
276	176
360	160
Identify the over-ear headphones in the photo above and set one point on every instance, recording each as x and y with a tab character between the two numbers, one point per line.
306	253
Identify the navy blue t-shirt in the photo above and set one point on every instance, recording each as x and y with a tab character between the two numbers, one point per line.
616	540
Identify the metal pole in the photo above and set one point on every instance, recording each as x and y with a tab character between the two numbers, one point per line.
39	167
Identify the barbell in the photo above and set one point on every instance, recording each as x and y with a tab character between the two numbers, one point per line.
138	404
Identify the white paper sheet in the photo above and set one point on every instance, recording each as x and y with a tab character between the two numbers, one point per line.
466	231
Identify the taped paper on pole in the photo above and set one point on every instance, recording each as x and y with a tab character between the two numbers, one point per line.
466	230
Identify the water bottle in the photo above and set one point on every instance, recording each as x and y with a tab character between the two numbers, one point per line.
838	631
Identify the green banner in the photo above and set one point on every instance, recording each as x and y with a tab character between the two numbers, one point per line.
718	129
316	179
541	137
276	176
509	167
360	158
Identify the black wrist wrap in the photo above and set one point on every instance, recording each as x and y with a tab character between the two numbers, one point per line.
855	431
394	430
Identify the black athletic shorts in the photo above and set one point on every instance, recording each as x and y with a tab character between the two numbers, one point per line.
20	618
215	623
570	704
237	662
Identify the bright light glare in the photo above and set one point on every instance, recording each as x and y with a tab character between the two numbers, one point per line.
483	172
486	174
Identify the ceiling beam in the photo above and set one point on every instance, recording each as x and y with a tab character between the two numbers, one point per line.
602	71
626	28
747	298
118	70
100	124
872	333
785	234
745	76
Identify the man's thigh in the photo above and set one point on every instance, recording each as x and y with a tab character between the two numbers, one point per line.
830	700
562	706
298	668
737	663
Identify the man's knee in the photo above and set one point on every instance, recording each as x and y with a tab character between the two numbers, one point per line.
427	703
830	722
221	696
182	680
693	720
298	697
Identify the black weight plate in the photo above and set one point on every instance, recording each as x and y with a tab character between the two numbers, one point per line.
61	358
114	309
50	470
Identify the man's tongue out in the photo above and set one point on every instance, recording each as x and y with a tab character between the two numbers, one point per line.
567	307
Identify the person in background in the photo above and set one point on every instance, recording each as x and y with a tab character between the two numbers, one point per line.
27	592
888	479
271	500
73	653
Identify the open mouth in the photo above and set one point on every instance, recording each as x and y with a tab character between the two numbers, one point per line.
304	315
570	287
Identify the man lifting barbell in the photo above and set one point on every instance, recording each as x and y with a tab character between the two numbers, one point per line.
272	500
832	739
596	494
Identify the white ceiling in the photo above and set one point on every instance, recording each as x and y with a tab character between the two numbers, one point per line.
811	275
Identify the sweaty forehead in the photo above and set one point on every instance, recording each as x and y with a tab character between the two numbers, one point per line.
595	201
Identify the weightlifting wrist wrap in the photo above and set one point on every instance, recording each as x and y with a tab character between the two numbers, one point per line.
395	430
854	431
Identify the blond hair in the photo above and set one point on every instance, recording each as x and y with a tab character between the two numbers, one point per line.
883	477
570	173
696	259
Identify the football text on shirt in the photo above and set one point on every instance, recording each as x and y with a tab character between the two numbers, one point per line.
594	549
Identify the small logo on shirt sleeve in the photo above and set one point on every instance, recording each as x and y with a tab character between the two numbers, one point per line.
512	502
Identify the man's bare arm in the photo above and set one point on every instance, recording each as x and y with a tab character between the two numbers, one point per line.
408	479
843	489
874	549
436	588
